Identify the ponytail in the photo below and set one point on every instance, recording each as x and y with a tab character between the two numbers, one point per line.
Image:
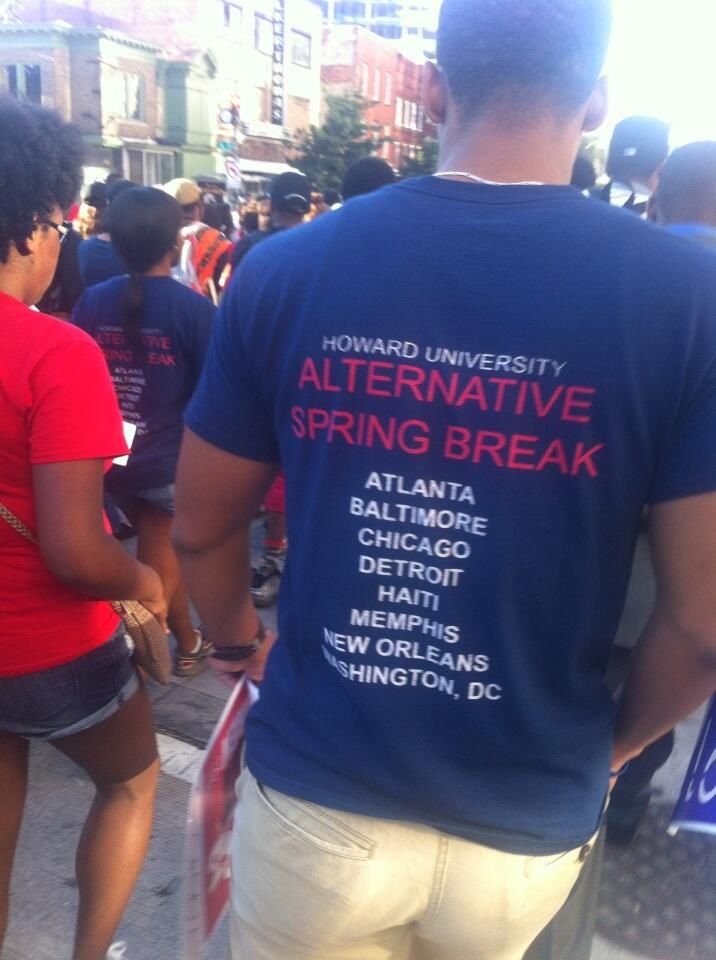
132	312
144	224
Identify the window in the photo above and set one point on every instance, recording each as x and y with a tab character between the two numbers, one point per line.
134	97
386	10
135	166
376	84
364	79
167	167
413	123
386	142
24	82
347	11
421	118
263	34
399	111
300	48
389	32
407	112
388	89
158	167
149	166
231	16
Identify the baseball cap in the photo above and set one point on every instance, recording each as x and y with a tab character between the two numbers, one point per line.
97	195
639	146
291	193
185	192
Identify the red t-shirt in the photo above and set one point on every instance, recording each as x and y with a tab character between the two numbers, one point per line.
57	404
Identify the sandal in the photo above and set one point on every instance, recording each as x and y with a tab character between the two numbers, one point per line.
189	664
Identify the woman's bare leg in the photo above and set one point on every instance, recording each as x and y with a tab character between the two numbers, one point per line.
13	777
120	756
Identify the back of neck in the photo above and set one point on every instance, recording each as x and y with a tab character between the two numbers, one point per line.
525	155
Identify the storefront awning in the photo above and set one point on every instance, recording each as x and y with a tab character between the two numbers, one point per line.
264	168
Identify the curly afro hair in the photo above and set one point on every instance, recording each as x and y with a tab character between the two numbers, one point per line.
40	169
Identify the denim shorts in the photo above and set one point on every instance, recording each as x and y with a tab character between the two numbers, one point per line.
72	697
160	497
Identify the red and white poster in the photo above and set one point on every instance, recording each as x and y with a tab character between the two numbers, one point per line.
211	818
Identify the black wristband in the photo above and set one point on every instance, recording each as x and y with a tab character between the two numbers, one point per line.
236	652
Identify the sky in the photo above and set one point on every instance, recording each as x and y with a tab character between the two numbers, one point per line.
662	62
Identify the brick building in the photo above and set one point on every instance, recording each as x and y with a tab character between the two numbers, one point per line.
255	62
106	82
354	58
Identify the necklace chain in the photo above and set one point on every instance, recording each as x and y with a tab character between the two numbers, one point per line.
489	183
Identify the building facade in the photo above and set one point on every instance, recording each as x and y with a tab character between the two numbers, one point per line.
108	83
354	58
410	25
239	78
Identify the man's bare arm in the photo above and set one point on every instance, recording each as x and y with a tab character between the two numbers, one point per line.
673	670
217	496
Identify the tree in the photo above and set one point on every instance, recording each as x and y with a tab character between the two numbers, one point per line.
326	152
425	163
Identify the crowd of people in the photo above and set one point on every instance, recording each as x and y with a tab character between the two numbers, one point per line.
457	449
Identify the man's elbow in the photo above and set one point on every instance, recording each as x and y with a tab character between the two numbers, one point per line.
697	631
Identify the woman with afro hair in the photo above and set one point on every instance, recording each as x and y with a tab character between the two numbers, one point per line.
65	670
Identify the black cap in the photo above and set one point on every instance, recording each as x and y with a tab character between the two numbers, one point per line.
97	195
291	193
639	147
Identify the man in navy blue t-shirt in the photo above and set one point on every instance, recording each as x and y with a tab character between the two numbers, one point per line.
470	431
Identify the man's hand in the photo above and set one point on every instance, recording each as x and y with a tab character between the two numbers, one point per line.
253	668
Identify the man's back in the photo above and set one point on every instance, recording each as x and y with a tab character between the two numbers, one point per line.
469	436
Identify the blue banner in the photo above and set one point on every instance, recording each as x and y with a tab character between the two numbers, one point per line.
696	809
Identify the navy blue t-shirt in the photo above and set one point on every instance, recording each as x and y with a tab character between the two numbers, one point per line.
473	392
153	388
99	261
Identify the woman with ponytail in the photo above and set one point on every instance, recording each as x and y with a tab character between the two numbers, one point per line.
154	333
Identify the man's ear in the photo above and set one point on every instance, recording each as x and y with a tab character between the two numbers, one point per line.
597	107
435	93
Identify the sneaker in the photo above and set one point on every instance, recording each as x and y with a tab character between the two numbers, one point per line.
189	664
266	580
117	950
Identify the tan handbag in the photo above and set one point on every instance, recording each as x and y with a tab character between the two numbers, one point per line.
148	641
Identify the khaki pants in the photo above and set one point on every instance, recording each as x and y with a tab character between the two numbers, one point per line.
311	883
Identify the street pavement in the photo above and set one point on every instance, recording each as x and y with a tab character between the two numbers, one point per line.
657	895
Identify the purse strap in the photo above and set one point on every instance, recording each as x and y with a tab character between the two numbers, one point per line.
9	517
119	607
